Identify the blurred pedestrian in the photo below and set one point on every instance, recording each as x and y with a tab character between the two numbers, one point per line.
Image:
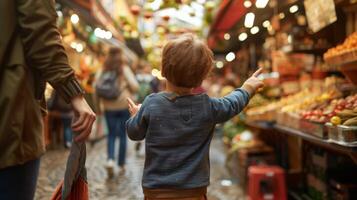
116	83
57	104
31	54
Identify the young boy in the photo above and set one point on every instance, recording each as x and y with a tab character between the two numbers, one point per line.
178	125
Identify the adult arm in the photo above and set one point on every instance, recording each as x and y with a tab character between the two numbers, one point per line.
45	53
43	46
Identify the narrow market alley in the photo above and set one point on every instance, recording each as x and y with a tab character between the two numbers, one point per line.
128	186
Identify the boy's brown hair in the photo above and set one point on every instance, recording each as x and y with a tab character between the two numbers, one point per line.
186	61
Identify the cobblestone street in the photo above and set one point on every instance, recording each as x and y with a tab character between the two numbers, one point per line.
126	186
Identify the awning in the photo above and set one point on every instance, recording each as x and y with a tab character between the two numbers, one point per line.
82	8
229	13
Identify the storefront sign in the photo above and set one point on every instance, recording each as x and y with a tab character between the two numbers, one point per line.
320	13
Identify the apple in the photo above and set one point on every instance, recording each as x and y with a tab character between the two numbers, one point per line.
339	107
331	115
349	105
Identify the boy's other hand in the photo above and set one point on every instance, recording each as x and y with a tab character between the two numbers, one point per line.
84	118
133	107
252	84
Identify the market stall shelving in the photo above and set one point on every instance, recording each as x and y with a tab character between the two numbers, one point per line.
260	124
347	150
297	195
315	140
308	51
304	50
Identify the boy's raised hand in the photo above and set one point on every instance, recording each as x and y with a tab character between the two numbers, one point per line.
252	84
133	107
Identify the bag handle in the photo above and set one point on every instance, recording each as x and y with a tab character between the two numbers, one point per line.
75	167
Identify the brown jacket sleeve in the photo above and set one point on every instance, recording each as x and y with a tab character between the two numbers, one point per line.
43	45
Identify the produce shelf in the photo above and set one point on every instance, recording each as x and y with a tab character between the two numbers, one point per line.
315	140
317	51
260	124
304	50
351	151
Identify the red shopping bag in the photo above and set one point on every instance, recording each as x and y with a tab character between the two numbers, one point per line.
74	186
79	191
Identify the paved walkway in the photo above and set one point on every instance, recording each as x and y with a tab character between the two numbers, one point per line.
128	185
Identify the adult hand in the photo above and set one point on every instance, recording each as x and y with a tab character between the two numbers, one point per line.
252	84
83	119
133	107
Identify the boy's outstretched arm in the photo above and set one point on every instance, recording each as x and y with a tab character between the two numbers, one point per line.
232	104
136	126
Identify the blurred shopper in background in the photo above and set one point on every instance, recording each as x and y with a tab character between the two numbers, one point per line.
57	104
31	54
145	79
116	83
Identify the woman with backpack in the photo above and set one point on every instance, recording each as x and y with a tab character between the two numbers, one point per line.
115	84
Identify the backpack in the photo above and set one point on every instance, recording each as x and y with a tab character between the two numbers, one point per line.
107	85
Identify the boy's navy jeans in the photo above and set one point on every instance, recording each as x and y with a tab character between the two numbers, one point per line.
116	128
19	182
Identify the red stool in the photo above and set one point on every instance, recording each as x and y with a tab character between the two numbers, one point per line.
266	183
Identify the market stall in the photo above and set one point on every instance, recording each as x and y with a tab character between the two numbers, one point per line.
305	118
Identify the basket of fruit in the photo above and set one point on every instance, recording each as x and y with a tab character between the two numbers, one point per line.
347	135
293	120
343	53
288	119
343	126
315	128
350	71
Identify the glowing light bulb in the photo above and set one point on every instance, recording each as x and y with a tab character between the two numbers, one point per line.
242	37
254	30
249	20
227	36
230	56
74	18
294	9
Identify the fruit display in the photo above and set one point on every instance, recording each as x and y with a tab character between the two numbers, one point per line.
347	117
237	137
316	103
328	111
268	112
233	127
258	100
345	52
342	128
245	140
